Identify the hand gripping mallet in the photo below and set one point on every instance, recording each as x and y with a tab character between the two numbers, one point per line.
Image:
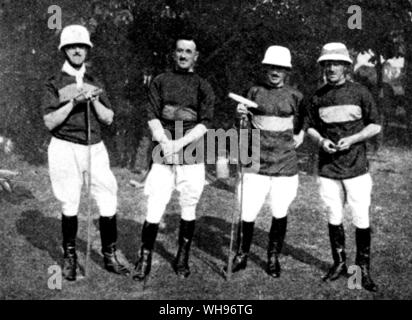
242	125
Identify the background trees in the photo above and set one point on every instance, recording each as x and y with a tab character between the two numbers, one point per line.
133	40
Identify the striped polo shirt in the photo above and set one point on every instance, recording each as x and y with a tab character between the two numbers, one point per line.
337	112
277	118
59	90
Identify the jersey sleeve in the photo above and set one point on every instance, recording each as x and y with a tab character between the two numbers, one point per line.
311	116
103	97
155	99
298	119
50	99
370	112
207	104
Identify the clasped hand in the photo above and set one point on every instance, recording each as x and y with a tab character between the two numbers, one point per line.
87	95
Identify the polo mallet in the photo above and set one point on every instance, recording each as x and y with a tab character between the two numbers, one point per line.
89	181
242	125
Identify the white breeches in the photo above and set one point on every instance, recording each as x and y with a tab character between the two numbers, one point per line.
189	180
282	191
67	163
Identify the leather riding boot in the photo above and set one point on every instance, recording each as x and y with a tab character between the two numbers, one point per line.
181	264
143	265
363	241
69	229
276	238
244	241
337	243
108	234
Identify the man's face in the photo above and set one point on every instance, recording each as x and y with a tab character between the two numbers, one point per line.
334	71
276	75
76	54
185	54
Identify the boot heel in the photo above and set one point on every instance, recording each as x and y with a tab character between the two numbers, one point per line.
143	265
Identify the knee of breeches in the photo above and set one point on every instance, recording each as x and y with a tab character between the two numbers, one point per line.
361	219
279	213
70	209
189	213
155	210
335	215
69	212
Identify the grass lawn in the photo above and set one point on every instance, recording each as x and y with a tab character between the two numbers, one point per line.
31	242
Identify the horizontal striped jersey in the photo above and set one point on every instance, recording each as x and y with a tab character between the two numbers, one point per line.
277	118
337	112
59	90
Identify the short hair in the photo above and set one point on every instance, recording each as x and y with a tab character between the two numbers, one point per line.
187	37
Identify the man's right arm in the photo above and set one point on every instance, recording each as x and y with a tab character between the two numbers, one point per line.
56	118
153	114
54	112
310	124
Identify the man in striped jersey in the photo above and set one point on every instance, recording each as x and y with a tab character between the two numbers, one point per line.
64	108
280	123
342	115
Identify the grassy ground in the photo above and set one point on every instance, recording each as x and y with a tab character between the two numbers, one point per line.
30	242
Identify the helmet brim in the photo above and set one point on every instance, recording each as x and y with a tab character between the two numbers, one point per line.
335	57
87	44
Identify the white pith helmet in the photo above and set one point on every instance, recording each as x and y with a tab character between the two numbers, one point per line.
335	51
74	34
278	56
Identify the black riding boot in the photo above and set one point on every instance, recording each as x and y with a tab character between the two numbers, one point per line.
69	229
181	264
243	244
337	243
276	237
363	242
143	265
108	234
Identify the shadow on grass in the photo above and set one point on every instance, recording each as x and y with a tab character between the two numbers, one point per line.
45	234
129	239
212	236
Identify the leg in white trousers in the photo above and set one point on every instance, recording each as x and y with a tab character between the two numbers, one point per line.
189	180
68	162
282	191
358	196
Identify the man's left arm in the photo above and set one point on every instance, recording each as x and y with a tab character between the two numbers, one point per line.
298	120
370	117
102	106
205	117
104	114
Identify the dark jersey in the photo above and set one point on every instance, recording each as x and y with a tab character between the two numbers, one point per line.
337	112
60	89
278	117
181	100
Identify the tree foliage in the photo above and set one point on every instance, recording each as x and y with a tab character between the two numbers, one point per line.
134	40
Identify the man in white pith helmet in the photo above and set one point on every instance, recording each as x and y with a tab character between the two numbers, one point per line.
64	107
342	115
280	122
